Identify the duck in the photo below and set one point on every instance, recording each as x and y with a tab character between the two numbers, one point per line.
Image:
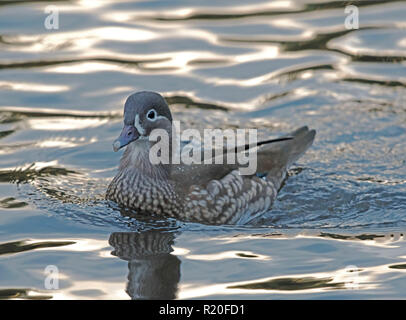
207	193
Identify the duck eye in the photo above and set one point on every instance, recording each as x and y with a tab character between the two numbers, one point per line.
151	114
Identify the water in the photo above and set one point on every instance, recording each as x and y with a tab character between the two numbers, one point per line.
337	228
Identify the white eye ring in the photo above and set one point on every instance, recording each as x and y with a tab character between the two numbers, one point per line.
151	115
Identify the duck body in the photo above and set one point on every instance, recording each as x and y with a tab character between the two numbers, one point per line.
205	193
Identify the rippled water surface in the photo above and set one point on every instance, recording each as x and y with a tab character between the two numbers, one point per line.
336	229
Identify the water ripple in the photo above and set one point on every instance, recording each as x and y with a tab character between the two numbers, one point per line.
270	65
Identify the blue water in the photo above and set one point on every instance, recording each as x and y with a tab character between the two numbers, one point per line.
337	228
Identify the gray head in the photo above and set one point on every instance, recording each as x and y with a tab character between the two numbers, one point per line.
144	111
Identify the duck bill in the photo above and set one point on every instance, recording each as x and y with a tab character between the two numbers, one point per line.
128	134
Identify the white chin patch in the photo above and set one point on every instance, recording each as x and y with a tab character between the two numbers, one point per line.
137	125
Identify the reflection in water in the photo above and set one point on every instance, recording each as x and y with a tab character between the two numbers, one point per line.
398	266
25	245
260	10
153	272
9	115
287	63
32	172
22	293
9	2
36	64
20	86
188	102
12	203
292	284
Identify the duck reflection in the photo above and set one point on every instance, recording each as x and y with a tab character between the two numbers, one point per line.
154	273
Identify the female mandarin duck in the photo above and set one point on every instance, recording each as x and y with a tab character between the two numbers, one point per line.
205	193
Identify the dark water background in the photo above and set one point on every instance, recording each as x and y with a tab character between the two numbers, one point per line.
336	230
